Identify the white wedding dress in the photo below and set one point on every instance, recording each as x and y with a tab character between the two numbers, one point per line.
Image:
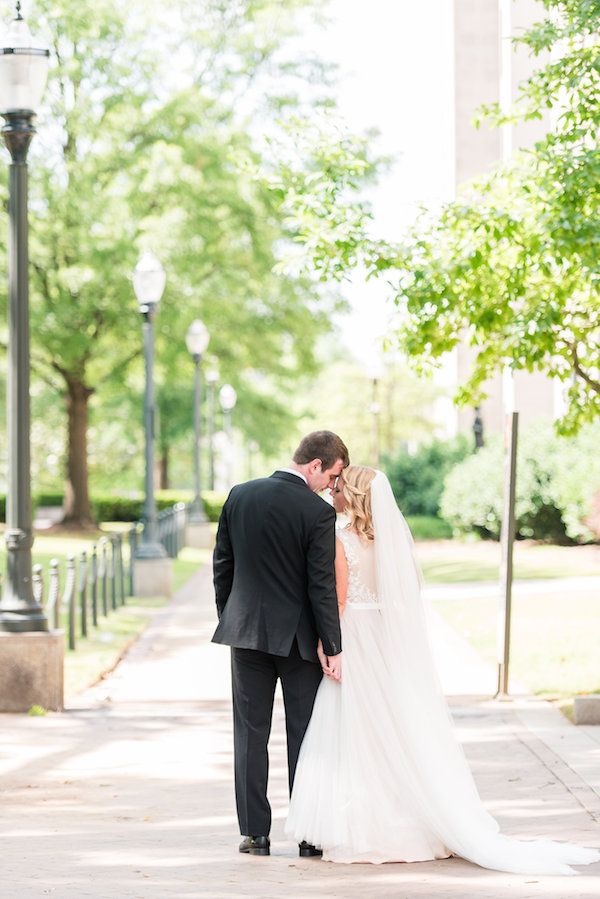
381	777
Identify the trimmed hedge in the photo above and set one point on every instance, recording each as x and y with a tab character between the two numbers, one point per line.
428	527
49	499
417	479
107	507
34	504
125	508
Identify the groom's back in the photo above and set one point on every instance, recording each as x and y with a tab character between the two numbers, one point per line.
262	564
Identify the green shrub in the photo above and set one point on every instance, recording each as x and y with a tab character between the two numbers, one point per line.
127	508
50	499
213	503
117	508
108	507
557	478
428	527
418	479
167	498
34	505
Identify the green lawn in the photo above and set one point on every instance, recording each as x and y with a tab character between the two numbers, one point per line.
555	638
456	561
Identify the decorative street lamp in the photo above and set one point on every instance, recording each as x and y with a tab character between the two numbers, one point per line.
212	378
149	280
228	399
23	74
196	339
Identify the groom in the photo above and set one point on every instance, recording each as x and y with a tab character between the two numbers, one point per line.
275	590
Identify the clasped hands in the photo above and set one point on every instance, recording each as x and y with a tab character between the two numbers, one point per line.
331	665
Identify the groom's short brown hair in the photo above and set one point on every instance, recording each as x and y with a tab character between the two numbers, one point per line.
323	445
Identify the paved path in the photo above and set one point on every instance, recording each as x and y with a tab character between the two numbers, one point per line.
129	793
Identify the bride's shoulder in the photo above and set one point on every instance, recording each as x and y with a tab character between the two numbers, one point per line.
342	533
346	537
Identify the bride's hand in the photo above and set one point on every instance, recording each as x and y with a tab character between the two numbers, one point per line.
335	666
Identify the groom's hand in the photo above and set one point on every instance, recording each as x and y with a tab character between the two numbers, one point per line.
334	664
323	659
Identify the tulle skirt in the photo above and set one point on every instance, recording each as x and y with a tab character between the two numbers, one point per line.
366	790
351	797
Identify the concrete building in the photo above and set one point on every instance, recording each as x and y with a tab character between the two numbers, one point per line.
488	68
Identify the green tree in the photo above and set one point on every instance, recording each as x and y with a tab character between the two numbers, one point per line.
139	150
511	266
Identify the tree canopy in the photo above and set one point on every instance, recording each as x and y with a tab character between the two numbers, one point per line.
138	149
511	266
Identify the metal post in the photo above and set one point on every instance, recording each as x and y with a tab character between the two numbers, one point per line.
19	610
103	571
121	569
69	598
133	541
149	548
113	575
507	538
94	585
54	593
82	590
197	515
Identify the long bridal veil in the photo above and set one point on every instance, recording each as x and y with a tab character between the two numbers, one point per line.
441	780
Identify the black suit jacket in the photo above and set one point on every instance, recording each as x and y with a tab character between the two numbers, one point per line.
273	568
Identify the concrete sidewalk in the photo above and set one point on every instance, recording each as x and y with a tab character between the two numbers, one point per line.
129	793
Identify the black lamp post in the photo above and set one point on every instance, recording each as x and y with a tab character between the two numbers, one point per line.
228	399
23	75
149	280
196	339
212	378
478	427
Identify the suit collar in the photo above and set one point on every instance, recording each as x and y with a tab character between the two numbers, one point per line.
291	478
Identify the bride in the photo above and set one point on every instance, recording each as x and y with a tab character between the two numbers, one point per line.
381	777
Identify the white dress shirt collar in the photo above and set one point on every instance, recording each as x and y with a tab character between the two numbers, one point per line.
294	471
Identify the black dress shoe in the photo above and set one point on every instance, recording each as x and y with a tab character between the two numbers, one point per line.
307	850
256	845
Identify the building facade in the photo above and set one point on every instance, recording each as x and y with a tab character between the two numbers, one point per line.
488	68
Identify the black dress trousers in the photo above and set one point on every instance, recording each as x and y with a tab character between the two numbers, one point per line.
254	677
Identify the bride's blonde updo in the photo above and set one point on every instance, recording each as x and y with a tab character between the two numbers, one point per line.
357	492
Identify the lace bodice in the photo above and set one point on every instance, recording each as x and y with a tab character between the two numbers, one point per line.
362	584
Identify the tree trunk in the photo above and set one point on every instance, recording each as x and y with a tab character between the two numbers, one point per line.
78	510
163	470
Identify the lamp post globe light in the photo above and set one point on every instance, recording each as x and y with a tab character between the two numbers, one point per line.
228	399
197	339
24	64
212	379
149	279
